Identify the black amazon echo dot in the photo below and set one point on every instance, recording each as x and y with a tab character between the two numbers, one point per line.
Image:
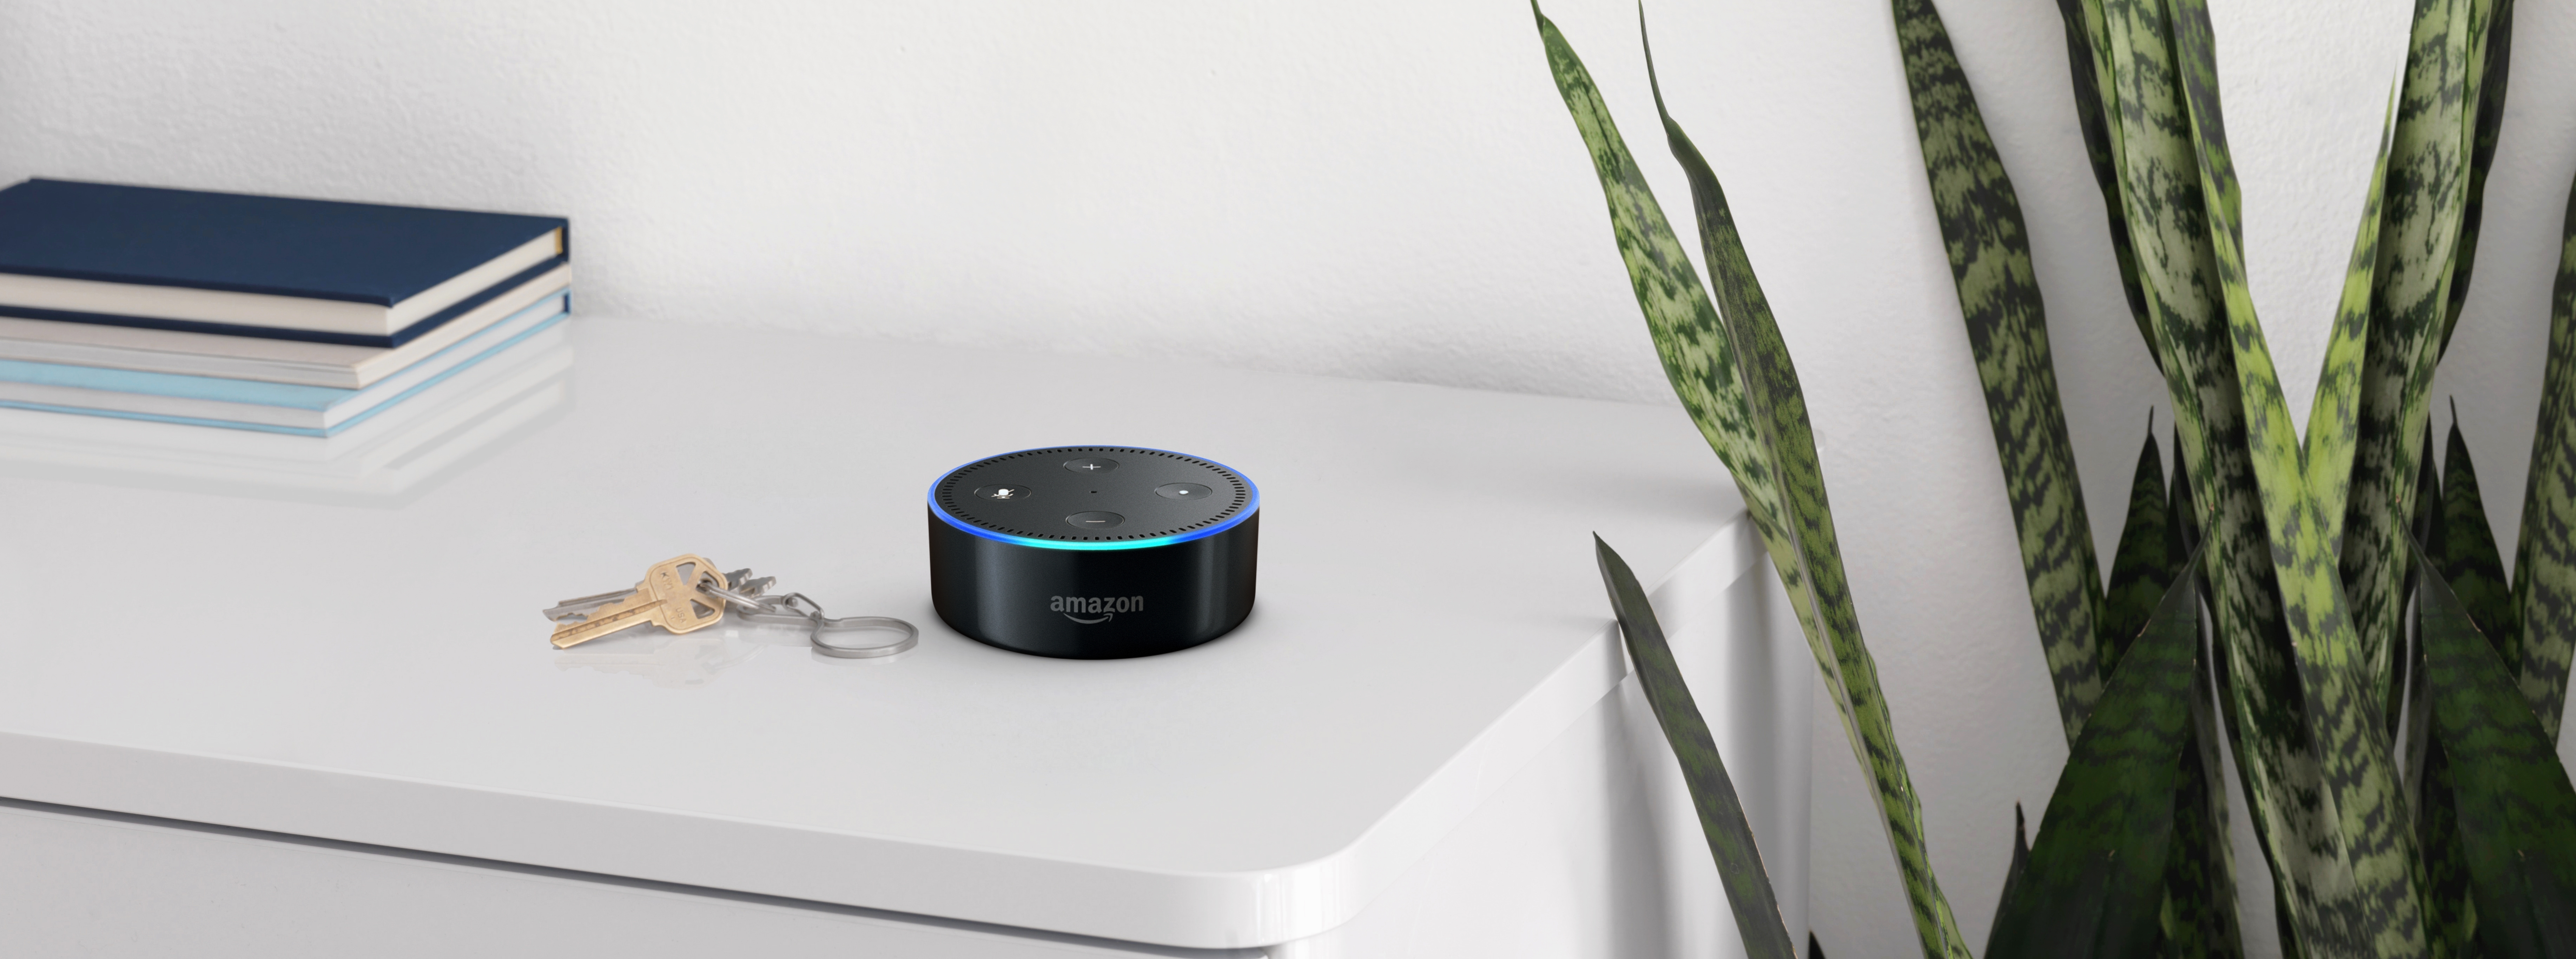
1093	552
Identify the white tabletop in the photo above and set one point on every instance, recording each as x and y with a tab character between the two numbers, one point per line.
1429	614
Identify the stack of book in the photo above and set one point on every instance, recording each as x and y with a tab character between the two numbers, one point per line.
267	314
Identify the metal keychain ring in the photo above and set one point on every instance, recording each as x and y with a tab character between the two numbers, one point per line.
747	603
871	623
786	609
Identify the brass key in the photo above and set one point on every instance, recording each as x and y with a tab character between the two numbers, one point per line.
668	596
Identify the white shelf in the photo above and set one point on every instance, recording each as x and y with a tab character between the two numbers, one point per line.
1429	619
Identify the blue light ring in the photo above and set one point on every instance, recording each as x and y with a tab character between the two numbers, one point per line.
1249	508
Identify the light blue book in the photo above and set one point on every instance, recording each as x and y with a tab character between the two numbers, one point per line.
256	404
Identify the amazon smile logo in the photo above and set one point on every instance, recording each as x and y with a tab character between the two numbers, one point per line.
1100	609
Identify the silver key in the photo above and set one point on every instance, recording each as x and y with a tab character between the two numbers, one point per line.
576	610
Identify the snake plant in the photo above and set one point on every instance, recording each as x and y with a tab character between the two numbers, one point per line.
2325	606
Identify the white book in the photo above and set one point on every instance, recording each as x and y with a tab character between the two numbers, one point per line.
405	452
252	405
256	358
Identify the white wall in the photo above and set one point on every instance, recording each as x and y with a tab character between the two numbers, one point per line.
1354	189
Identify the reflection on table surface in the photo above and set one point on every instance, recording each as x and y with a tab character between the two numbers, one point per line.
692	660
391	459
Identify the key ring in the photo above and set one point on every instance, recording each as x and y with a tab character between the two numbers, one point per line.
821	631
826	642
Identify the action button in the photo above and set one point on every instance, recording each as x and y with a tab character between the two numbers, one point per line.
1091	464
1095	519
1183	491
1004	491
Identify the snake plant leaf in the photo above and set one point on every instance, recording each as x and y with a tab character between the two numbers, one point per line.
1710	376
2012	875
2084	61
2429	532
2328	448
2095	882
1780	414
2161	190
1721	813
1689	338
2487	77
2249	745
2515	808
2160	181
1989	247
2468	556
2544	567
2421	207
2198	916
2450	915
1815	950
2204	870
2157	170
2183	530
2354	893
2147	558
2199	920
2417	744
2157	167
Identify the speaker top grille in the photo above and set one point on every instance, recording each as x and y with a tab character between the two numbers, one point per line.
1094	497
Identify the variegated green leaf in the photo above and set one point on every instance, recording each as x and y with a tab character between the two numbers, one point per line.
2450	916
2208	862
2148	557
1687	334
1981	225
2420	214
2428	530
2327	449
2084	63
2487	70
2199	916
2515	808
1683	322
1712	791
2208	725
1710	374
2544	567
2379	914
2184	535
2012	875
1780	417
2200	895
2468	557
2095	884
2159	165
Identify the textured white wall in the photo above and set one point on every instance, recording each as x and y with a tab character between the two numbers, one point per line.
1354	189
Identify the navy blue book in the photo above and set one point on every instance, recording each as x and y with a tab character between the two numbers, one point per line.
363	274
